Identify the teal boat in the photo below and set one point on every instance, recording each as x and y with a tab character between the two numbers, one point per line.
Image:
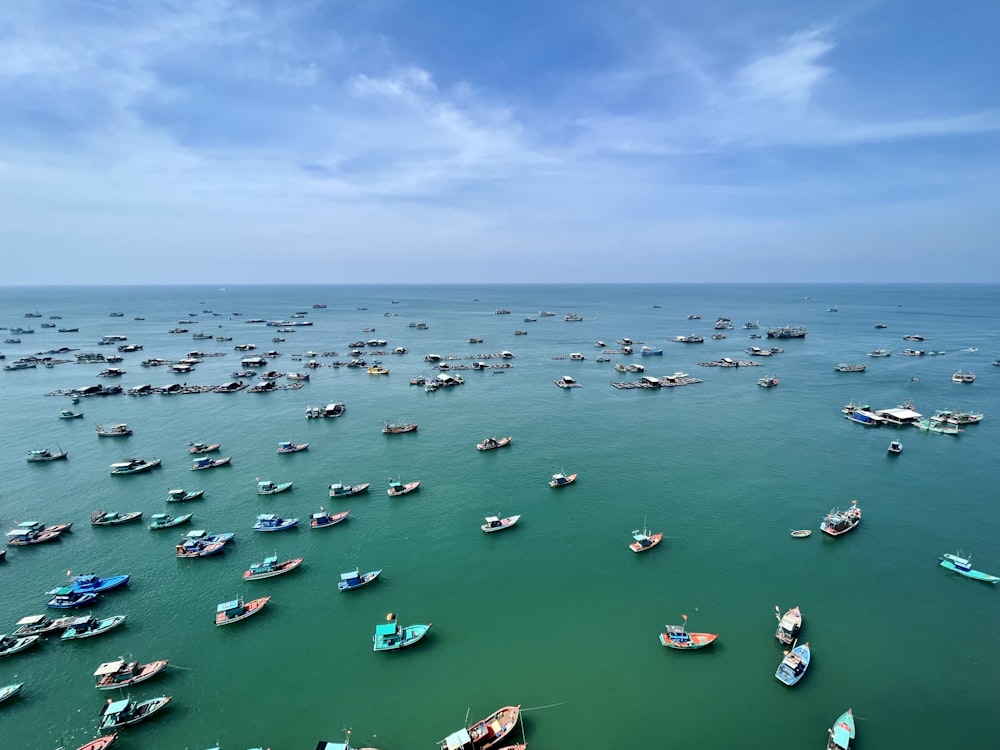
842	733
963	566
391	636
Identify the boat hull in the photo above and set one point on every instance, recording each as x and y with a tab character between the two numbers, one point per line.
976	575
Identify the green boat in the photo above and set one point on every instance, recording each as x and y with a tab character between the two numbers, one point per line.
963	566
842	733
391	636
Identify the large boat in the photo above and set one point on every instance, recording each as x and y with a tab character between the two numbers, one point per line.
97	584
396	428
204	447
44	454
287	446
789	625
794	665
266	487
643	540
495	523
270	568
181	495
89	626
126	711
561	480
209	463
842	733
491	443
839	522
121	673
113	518
167	521
484	733
348	490
787	332
272	522
390	636
13	644
397	488
323	519
229	612
114	430
41	625
134	466
677	636
69	598
963	566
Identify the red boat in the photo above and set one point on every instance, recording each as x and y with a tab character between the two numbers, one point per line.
236	610
121	673
101	743
486	733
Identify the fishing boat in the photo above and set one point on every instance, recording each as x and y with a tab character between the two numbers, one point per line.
272	522
180	495
794	665
113	430
13	644
121	673
272	488
354	579
70	414
789	625
89	626
843	367
895	447
561	480
839	522
643	540
9	691
390	636
397	488
210	463
97	584
324	519
286	446
204	447
68	598
41	625
768	382
963	377
842	733
396	428
113	518
347	490
125	712
491	443
270	568
101	743
35	532
199	548
484	733
167	521
44	454
229	612
963	566
942	428
494	523
133	466
677	636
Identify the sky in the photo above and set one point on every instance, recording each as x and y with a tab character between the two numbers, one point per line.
489	141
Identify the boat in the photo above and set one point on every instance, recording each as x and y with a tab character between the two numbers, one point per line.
677	636
289	447
375	368
199	548
68	598
942	428
843	367
573	318
33	532
801	533
9	691
121	673
752	326
41	625
98	584
895	447
396	428
354	579
266	487
101	743
963	566
397	488
789	625
204	447
113	430
229	612
879	353
133	466
689	339
391	636
272	522
89	626
70	414
787	332
166	521
914	337
484	733
561	480
723	324
14	644
490	443
840	522
768	382
348	490
331	410
113	518
957	417
270	567
323	519
648	351
643	540
963	377
44	454
125	712
180	495
209	463
494	523
842	732
794	665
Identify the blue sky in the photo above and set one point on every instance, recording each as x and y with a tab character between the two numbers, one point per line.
337	141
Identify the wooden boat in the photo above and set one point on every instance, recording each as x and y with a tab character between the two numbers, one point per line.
33	532
289	447
840	522
133	466
68	598
101	743
44	454
112	518
272	522
323	519
96	584
794	665
113	430
166	521
397	488
204	447
126	711
270	568
789	625
121	673
182	496
801	533
354	579
229	612
842	733
9	691
491	443
89	626
561	480
895	448
643	540
677	636
390	636
70	414
199	548
484	733
963	566
273	488
396	428
494	523
210	463
347	490
14	644
41	625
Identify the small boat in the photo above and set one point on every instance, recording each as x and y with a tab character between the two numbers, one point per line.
495	523
391	636
963	377
89	626
842	733
182	496
270	568
354	579
895	447
272	488
113	518
41	625
121	673
204	447
789	625
44	454
567	381
490	443
840	522
801	533
397	488
963	566
323	519
69	598
794	665
166	521
272	522
97	584
396	428
133	466
677	636
101	743
229	612
114	430
70	414
125	712
348	490
34	532
485	733
643	540
289	447
768	382
13	644
561	480
210	463
9	691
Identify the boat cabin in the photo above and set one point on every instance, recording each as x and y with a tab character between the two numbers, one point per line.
387	634
115	708
352	577
899	416
460	740
117	670
269	564
229	610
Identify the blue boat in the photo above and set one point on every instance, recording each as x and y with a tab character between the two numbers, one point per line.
354	579
391	636
67	598
96	584
794	665
842	733
963	566
271	522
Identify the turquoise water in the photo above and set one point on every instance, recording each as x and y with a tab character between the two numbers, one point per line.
556	614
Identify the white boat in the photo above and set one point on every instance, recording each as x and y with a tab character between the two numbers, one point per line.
566	381
495	523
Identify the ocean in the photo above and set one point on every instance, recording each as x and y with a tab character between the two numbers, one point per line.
556	614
